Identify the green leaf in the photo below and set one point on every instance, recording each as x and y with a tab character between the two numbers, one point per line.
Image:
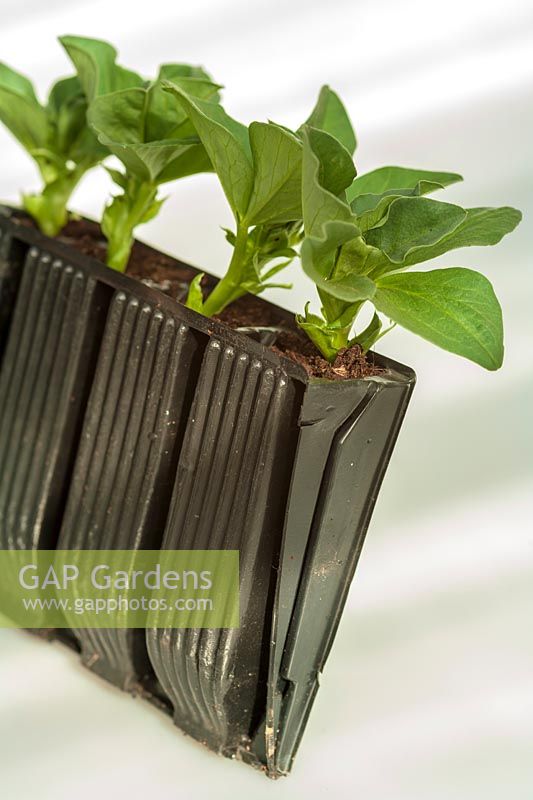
369	335
356	256
65	92
318	260
330	115
118	177
392	180
95	63
481	227
227	144
119	119
195	297
67	109
370	209
319	204
152	210
412	223
20	111
70	134
317	331
328	221
328	337
164	117
454	308
17	83
277	188
336	169
190	160
175	72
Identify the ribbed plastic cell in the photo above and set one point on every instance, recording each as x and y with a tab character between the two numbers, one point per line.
226	496
45	378
121	482
128	421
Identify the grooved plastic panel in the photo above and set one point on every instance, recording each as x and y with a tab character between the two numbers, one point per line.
227	497
128	421
123	474
44	382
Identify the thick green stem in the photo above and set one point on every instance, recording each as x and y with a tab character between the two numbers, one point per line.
229	288
339	316
49	209
120	219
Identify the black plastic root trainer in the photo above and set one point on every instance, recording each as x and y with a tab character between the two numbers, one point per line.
130	421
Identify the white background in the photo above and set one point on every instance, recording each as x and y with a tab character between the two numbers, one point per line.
428	694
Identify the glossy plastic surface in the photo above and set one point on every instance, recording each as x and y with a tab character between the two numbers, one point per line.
129	421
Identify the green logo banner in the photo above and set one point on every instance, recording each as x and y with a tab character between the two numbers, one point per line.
119	589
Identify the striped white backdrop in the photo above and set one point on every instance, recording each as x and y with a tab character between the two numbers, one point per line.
428	694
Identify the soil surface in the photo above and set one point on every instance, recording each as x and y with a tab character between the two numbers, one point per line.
159	271
251	312
155	269
351	362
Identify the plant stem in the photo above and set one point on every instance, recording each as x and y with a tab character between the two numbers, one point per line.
120	219
230	287
340	316
49	209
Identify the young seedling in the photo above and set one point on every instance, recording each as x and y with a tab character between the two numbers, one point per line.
137	122
154	144
56	136
361	235
260	170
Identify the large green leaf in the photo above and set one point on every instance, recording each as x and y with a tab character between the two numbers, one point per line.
67	109
328	220
133	116
412	223
318	261
330	115
165	118
370	209
387	180
70	134
20	111
277	163
481	227
121	122
454	308
336	169
95	63
119	117
17	83
320	172
190	160
227	144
